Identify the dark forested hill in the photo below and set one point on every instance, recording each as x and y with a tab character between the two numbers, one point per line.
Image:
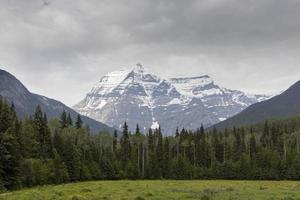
281	106
25	102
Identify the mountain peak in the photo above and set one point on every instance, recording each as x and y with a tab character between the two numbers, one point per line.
138	67
10	84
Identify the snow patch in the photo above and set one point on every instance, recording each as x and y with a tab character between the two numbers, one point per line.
186	85
155	125
175	101
101	104
222	119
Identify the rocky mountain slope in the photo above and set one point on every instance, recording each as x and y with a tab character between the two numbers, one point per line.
140	97
222	102
25	102
281	106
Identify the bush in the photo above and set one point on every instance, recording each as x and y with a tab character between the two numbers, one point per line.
42	172
36	172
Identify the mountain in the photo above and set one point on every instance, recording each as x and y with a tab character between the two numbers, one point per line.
281	106
140	97
222	102
25	102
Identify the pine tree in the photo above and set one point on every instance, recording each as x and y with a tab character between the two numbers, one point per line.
227	147
160	153
63	119
138	138
137	130
46	138
166	159
177	133
202	151
150	141
5	121
10	155
115	141
237	146
243	144
218	147
58	143
125	146
177	138
151	164
71	157
42	133
78	122
29	144
252	146
265	138
69	120
107	166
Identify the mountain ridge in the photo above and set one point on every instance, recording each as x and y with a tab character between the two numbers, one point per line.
283	105
25	102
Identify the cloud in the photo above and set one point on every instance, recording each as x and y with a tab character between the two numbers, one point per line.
72	43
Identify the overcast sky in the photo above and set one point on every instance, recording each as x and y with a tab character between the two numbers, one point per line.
61	48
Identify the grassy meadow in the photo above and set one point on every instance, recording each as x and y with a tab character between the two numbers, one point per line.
139	190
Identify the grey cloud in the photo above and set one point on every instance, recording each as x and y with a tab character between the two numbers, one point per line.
71	43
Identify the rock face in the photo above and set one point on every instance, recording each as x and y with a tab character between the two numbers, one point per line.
25	102
140	97
222	102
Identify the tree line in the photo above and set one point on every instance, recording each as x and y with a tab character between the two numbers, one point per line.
37	151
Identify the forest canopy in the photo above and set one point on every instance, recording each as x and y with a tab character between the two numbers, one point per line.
37	151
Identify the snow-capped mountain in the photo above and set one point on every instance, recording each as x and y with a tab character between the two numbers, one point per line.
139	97
222	102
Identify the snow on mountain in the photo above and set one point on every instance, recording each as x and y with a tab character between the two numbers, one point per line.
139	97
194	86
222	102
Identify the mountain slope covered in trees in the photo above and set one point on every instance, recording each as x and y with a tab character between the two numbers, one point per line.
25	102
281	106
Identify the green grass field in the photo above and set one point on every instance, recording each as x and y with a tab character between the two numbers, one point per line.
139	190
